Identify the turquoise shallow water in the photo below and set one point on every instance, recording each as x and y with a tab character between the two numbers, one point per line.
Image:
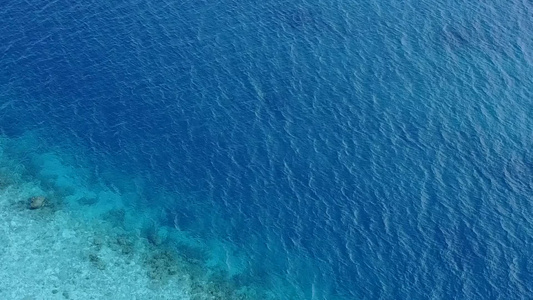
295	150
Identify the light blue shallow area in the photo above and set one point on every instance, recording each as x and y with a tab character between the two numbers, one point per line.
298	150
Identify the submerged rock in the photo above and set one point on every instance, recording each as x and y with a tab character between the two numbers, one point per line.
5	181
155	236
66	295
116	216
37	202
98	242
96	261
87	201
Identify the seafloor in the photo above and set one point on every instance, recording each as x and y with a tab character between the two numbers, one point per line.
86	241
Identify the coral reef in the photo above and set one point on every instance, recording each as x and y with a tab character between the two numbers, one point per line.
160	259
161	265
125	244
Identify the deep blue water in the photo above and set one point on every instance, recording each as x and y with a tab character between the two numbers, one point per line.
347	150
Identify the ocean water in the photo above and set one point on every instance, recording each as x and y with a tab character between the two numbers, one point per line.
289	149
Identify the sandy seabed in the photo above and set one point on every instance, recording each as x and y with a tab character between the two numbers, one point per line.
47	254
88	242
